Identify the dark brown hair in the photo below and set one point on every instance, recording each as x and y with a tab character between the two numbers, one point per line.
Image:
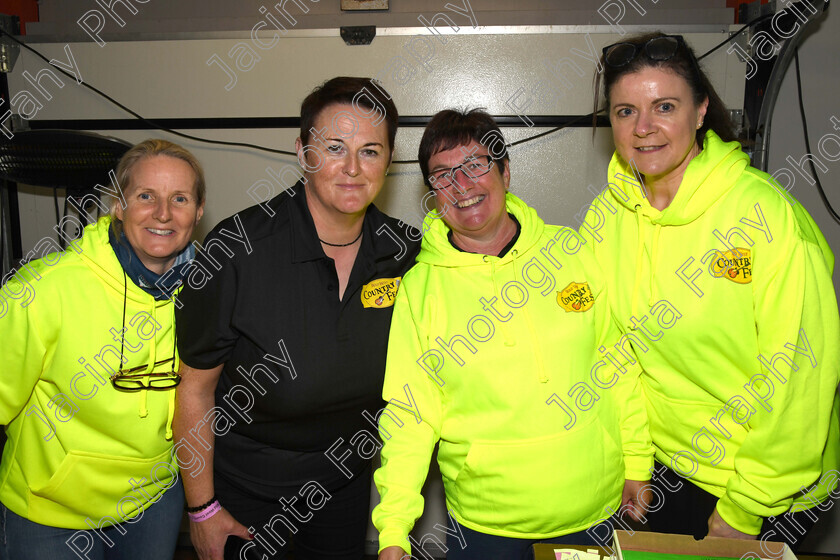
684	64
451	128
353	91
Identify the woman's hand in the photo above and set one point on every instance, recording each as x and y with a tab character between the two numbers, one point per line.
720	528
636	495
392	553
209	536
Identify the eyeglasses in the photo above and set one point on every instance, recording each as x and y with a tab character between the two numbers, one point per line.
132	381
472	169
658	49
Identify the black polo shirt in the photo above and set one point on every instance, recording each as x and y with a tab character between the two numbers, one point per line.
271	313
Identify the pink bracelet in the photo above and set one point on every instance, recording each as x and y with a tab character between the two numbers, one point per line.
206	513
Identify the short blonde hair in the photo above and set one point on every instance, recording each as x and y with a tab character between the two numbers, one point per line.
146	149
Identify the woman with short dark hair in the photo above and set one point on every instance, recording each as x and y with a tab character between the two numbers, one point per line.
502	352
284	347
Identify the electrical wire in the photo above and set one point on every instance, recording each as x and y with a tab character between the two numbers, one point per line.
154	125
808	142
131	112
522	141
553	130
749	24
55	202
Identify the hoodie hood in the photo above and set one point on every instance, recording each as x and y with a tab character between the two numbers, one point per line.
438	251
716	169
690	201
95	250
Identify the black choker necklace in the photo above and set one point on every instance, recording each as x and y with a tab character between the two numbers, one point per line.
342	244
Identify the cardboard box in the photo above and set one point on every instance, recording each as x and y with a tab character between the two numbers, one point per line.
710	546
672	544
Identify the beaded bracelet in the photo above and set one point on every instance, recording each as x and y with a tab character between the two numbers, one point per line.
206	514
201	507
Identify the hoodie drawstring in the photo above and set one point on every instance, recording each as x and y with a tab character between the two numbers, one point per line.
509	339
542	376
170	415
487	259
144	411
654	253
637	282
640	251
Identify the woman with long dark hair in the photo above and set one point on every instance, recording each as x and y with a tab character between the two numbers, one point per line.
740	377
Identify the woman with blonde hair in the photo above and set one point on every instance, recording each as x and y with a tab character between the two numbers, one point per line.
87	375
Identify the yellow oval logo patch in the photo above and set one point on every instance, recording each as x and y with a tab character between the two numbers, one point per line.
734	265
381	292
576	297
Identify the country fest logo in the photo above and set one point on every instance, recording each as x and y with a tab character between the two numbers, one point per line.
381	292
734	265
576	297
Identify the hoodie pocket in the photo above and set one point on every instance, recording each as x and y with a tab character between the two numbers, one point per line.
541	486
710	437
93	484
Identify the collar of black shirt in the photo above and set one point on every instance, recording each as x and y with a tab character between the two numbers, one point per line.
505	249
377	242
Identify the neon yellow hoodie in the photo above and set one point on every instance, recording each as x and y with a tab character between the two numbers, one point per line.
741	390
537	431
77	448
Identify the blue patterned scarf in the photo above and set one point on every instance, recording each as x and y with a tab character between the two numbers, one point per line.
159	286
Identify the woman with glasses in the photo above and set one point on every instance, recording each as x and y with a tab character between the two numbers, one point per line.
502	353
87	375
740	381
